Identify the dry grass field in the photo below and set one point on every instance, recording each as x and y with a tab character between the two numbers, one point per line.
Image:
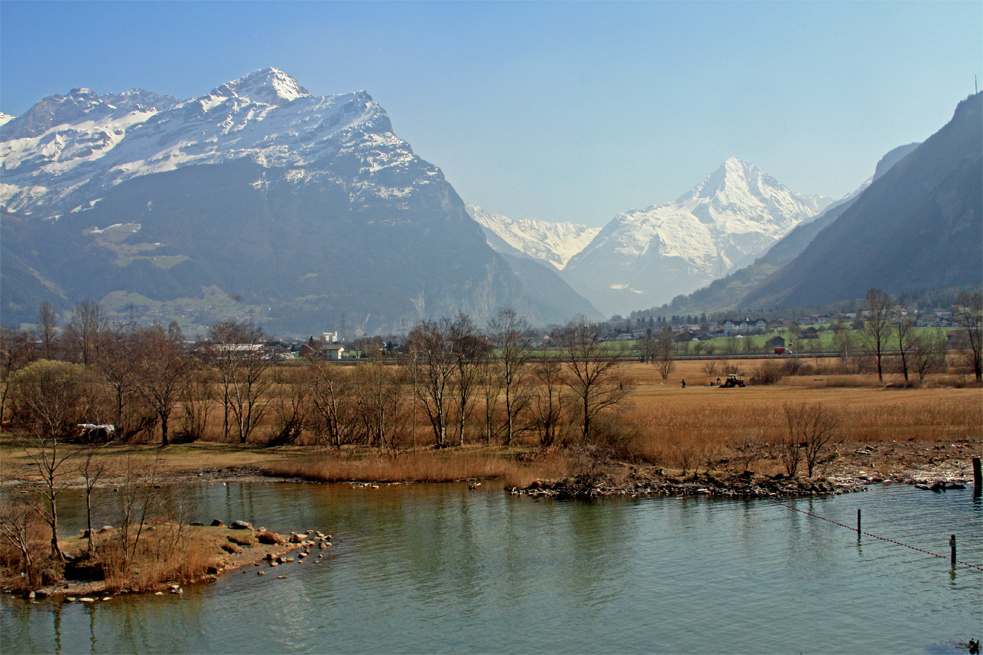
690	427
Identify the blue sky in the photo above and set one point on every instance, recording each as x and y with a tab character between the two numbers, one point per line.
557	110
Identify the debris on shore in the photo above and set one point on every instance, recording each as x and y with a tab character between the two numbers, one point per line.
746	485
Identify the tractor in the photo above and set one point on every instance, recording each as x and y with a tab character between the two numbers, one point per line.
732	381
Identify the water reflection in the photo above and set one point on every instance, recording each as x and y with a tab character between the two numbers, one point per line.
442	568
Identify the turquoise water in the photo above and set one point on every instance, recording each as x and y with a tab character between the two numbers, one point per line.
439	568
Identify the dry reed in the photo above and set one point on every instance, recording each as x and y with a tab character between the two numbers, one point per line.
425	466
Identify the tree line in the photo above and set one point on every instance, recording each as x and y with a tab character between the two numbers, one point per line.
888	333
468	384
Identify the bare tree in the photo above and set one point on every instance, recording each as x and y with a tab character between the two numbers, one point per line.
116	361
594	372
468	347
810	427
332	408
16	352
93	469
647	349
51	399
547	407
174	332
379	401
431	367
196	395
290	403
710	368
490	383
161	367
236	349
843	342
508	331
46	328
87	323
968	314
139	502
747	451
905	330
876	330
928	354
19	525
663	359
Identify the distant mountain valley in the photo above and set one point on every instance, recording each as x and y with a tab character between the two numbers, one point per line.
308	213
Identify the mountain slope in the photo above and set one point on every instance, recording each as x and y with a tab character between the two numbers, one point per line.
256	199
647	257
919	225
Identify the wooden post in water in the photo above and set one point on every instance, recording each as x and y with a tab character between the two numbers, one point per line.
952	547
977	477
858	523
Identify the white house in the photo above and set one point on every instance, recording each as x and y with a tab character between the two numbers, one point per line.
332	350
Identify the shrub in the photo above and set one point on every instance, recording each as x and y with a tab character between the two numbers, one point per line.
768	373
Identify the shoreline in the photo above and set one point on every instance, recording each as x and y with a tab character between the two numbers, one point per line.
271	548
275	549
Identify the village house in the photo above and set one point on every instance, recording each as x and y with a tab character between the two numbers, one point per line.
320	350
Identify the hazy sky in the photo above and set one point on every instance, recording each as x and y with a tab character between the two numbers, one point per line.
557	110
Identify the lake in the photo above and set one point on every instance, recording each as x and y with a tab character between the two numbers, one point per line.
441	568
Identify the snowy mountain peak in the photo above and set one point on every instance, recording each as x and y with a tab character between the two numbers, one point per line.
267	85
66	147
649	256
734	177
5	118
554	243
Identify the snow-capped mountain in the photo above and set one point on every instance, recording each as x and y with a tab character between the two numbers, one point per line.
258	197
82	144
648	256
553	243
5	118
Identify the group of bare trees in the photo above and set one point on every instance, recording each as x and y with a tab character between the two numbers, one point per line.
447	362
134	376
888	332
660	351
470	385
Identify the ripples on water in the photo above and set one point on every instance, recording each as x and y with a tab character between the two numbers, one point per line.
437	568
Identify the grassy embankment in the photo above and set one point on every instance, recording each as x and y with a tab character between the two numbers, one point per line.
166	554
